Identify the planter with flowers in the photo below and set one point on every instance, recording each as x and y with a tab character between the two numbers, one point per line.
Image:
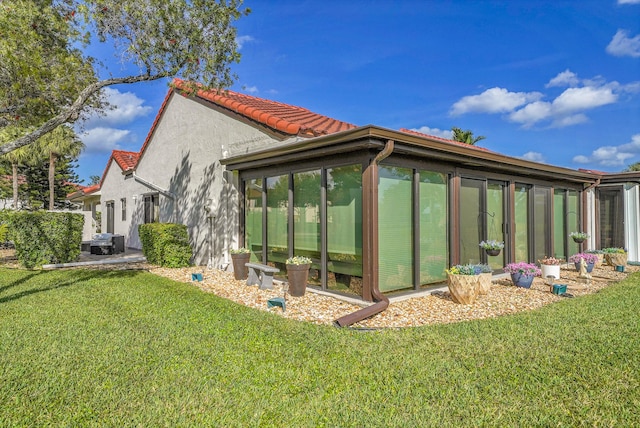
239	257
579	237
550	266
492	247
298	274
589	259
484	282
463	282
615	256
522	273
600	255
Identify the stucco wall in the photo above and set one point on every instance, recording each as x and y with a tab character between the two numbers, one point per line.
182	158
115	187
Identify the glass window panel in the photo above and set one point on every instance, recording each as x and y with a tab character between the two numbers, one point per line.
434	248
541	229
573	223
277	222
395	231
521	204
344	229
495	219
253	218
559	228
306	219
470	221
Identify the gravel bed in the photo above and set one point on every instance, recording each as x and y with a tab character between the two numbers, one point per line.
503	298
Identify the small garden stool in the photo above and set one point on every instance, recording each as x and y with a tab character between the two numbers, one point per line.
276	301
264	279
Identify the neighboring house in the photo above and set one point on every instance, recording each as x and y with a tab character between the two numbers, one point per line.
375	209
88	200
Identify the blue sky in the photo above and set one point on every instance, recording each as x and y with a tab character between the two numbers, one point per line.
551	81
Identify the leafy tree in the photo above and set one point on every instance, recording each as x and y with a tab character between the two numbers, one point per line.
44	77
17	158
62	141
465	136
633	167
94	179
37	187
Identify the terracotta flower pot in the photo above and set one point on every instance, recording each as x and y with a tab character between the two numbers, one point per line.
297	276
240	271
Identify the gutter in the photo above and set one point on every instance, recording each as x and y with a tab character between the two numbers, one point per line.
150	185
381	301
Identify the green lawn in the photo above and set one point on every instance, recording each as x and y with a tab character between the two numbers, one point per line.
82	348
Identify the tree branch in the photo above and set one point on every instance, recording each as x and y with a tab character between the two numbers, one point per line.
72	113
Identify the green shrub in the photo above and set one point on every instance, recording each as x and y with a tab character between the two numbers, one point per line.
44	237
165	244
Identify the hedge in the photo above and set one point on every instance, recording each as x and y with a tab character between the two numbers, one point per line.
165	244
45	237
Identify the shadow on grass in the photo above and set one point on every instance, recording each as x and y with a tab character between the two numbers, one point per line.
82	276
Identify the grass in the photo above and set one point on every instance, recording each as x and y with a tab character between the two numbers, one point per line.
119	348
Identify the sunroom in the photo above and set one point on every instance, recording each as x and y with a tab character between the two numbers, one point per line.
388	211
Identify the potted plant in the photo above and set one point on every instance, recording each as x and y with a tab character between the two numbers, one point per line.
579	237
484	280
239	257
600	255
463	282
615	256
589	259
298	274
550	266
492	247
522	273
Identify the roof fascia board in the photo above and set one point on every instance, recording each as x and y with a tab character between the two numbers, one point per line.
412	144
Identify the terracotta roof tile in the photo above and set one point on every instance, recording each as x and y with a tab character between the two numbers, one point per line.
126	160
285	118
444	140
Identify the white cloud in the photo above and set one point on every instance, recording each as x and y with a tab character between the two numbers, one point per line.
436	132
576	99
567	109
494	100
628	1
612	155
532	113
566	78
125	107
250	89
533	156
241	40
104	140
569	120
622	45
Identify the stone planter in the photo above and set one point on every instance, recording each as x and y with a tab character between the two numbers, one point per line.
297	276
240	271
484	283
616	259
463	288
550	270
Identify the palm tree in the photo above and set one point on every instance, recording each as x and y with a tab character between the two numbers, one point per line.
62	141
465	136
17	158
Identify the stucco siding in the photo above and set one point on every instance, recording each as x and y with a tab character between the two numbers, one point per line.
182	158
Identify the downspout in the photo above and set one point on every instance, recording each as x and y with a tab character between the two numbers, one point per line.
381	301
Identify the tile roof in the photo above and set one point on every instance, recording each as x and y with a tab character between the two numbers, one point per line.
444	140
285	118
126	160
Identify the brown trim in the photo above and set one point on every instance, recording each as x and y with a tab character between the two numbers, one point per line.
374	137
